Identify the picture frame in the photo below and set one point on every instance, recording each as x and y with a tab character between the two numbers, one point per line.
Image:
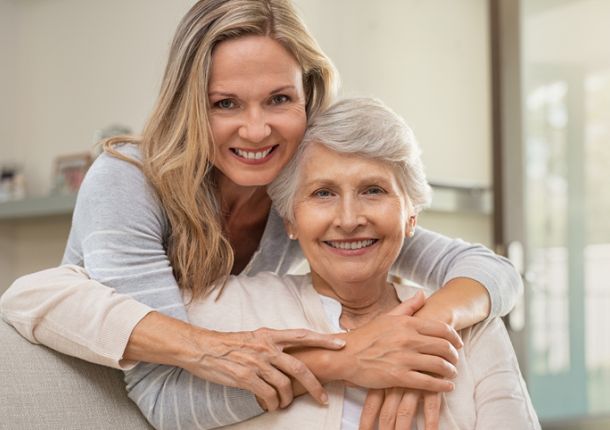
69	172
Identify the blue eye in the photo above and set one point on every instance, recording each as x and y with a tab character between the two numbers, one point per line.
374	190
322	193
279	99
225	104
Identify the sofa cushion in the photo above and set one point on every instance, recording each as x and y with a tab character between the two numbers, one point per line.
42	389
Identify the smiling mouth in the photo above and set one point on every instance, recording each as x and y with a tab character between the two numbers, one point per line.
350	244
253	155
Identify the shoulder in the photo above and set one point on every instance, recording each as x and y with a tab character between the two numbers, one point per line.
111	177
264	287
269	282
116	192
112	169
490	334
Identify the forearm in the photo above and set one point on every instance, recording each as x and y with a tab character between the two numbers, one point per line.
461	303
160	339
433	260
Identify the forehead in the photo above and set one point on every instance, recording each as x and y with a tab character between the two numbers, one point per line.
321	164
247	60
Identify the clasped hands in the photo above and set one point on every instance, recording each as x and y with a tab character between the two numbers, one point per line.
399	357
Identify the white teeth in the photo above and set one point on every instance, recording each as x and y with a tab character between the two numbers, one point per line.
351	245
249	155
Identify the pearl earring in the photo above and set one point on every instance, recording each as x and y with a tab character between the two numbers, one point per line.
292	236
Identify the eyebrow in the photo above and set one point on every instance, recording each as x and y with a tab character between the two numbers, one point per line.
277	90
321	180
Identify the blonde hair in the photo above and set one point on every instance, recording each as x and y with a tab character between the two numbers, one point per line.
176	143
364	127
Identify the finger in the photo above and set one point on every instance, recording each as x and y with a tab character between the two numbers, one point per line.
421	381
430	345
432	410
435	365
370	409
387	414
279	382
442	330
304	338
299	371
409	306
265	393
407	409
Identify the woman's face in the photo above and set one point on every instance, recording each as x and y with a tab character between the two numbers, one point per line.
350	216
257	108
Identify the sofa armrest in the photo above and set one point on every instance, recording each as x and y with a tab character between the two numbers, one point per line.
42	389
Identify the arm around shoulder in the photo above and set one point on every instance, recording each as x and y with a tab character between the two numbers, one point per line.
434	260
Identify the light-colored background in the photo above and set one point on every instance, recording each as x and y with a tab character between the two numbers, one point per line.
72	67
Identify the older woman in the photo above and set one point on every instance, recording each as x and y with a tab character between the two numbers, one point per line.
350	196
185	204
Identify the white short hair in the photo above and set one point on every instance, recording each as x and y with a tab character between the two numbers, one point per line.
364	127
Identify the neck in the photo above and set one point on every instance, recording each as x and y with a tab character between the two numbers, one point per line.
234	197
360	301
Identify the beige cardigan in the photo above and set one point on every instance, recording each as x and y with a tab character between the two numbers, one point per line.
489	394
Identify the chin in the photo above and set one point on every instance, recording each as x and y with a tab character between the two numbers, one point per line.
254	180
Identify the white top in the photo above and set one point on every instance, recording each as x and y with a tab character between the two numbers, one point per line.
354	397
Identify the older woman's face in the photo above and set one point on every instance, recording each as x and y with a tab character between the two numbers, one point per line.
350	216
257	109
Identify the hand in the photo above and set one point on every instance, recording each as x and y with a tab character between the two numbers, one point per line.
398	350
256	362
395	409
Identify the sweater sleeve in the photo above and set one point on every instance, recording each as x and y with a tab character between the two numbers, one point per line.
431	260
500	396
118	232
65	310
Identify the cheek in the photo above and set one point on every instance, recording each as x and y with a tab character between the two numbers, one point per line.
220	130
311	222
292	125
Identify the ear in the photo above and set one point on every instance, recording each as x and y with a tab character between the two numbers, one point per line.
411	224
290	230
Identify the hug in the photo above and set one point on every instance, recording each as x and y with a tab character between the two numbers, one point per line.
187	238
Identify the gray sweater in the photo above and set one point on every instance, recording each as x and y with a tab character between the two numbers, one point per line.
118	235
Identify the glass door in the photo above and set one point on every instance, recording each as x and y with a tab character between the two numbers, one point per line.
556	202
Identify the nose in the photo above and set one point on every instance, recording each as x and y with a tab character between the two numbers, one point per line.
350	215
254	127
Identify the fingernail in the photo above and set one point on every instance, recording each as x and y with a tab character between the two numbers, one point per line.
339	342
324	398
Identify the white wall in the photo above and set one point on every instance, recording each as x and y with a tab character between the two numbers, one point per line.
8	76
429	60
71	67
83	65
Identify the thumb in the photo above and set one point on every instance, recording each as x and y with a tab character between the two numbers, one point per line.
409	306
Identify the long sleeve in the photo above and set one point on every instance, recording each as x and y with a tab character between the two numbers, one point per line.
65	310
431	259
501	397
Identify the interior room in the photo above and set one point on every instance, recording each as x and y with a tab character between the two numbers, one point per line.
509	99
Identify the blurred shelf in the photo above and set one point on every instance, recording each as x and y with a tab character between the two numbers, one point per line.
37	207
446	199
469	199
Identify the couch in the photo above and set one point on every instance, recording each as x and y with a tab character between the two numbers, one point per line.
42	389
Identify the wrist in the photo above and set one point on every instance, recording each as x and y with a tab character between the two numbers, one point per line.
341	364
444	314
160	339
